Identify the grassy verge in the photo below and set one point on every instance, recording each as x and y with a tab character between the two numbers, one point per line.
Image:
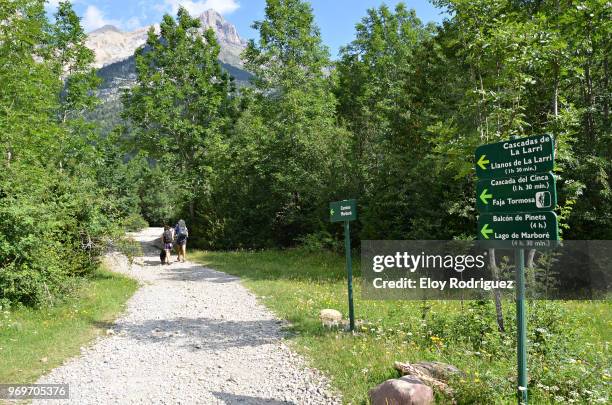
34	341
569	357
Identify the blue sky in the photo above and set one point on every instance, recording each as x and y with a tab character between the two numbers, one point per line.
335	18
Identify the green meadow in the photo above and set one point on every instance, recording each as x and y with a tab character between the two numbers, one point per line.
33	341
569	356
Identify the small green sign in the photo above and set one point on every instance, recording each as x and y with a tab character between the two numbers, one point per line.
526	193
345	210
519	226
515	157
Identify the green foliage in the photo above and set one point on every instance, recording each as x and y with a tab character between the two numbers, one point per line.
182	103
393	123
134	222
55	216
162	195
286	157
51	229
320	241
73	61
382	89
420	99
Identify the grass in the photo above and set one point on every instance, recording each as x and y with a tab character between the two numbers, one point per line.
569	357
34	341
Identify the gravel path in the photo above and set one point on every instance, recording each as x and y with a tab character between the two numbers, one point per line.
190	335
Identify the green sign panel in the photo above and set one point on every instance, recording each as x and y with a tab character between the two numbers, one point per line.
515	157
519	226
526	193
345	210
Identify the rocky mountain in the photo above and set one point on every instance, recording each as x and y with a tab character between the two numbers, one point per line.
114	50
113	45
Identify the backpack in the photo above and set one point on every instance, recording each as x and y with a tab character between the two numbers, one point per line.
182	232
168	236
162	256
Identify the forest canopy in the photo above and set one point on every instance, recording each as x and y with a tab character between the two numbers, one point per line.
393	123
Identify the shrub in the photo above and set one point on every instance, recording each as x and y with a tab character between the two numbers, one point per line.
52	229
318	241
134	222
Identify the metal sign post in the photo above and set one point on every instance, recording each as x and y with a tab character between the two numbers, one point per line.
521	326
346	211
349	271
515	198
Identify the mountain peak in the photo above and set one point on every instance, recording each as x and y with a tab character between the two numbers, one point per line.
106	28
111	45
212	19
212	13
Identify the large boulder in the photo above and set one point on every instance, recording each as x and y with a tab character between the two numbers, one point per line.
406	390
330	317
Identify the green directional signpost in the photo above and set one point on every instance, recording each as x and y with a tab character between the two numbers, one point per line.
527	193
518	226
515	197
515	157
346	211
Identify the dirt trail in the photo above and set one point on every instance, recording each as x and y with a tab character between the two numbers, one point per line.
190	335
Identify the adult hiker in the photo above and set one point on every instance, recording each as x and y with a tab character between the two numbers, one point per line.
167	238
182	233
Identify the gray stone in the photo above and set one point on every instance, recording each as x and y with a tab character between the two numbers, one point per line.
330	317
438	370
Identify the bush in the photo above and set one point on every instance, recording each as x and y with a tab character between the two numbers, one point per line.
134	222
52	229
129	247
318	241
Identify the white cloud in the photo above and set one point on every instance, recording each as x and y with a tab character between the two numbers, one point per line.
197	7
94	19
132	23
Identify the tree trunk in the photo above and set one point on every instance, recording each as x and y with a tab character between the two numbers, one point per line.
191	211
606	106
530	258
556	92
529	266
496	292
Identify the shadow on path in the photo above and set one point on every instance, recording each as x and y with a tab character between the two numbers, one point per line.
205	333
247	400
197	273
